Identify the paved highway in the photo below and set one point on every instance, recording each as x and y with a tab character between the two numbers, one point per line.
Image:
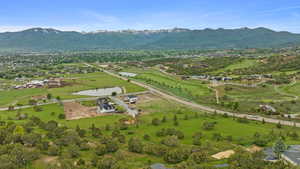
177	99
205	108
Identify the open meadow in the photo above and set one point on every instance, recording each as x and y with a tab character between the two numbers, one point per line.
193	90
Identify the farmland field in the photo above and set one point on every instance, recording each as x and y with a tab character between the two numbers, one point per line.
240	65
77	83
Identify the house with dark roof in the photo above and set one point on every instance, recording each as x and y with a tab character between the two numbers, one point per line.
270	155
291	155
105	106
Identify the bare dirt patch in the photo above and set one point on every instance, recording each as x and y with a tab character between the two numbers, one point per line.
143	99
92	144
223	155
49	159
254	149
74	111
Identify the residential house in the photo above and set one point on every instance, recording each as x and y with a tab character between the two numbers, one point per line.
127	74
105	106
291	155
268	108
35	84
53	83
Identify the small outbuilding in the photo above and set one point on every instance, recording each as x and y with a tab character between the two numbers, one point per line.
131	99
127	74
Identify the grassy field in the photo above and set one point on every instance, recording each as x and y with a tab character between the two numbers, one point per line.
47	114
260	94
246	63
242	133
189	89
292	89
77	83
226	126
249	98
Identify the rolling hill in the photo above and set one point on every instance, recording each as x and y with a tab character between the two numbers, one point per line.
40	39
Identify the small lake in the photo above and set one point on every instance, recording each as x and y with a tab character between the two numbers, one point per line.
99	92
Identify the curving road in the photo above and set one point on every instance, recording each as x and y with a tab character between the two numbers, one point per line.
212	110
205	108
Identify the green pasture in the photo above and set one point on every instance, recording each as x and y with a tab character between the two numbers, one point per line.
261	93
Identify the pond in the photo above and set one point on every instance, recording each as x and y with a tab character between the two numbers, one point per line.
100	92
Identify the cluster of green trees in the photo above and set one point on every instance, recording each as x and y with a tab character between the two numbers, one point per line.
23	143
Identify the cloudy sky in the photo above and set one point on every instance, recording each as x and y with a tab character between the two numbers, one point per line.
92	15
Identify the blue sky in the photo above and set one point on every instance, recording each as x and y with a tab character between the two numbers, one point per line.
91	15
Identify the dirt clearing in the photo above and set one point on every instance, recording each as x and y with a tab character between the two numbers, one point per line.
223	155
74	111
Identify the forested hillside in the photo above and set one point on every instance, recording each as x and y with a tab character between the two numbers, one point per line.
38	39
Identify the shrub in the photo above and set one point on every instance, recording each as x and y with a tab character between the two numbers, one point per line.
209	125
155	122
243	120
112	146
53	150
199	157
176	156
217	137
171	141
154	149
146	137
135	145
100	150
61	116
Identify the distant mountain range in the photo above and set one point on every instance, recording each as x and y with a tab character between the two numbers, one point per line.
40	39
